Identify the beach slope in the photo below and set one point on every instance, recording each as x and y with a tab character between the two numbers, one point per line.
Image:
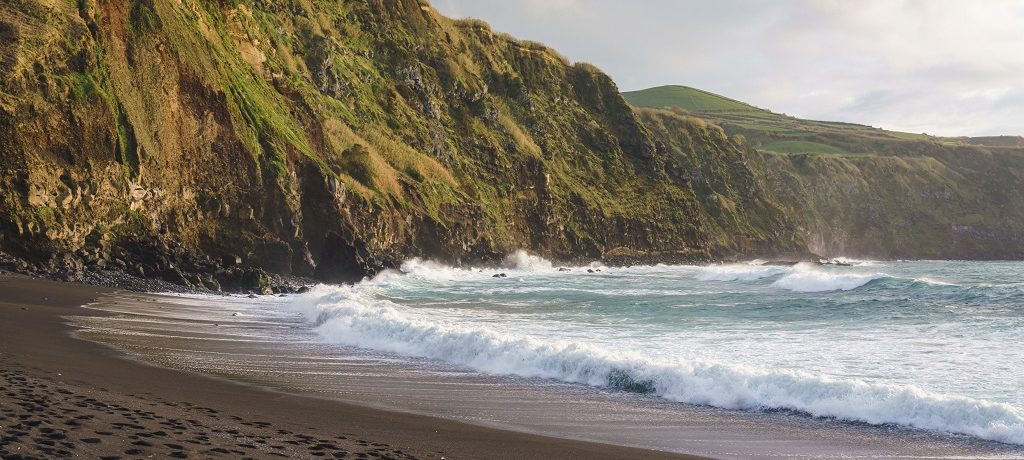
63	396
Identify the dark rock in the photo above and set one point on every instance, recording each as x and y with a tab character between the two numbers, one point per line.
211	283
230	261
175	276
255	280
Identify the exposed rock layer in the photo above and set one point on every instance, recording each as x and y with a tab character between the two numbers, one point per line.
937	202
204	142
209	143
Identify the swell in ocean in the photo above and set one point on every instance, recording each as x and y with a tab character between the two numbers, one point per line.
369	315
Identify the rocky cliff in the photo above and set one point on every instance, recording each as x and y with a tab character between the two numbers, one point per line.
939	202
856	190
209	142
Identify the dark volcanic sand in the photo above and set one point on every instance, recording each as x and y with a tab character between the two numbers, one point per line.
62	397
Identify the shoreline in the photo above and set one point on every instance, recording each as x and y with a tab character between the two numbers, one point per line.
268	343
165	358
69	396
182	281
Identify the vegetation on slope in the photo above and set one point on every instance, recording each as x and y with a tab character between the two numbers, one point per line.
854	190
778	133
325	138
202	142
943	203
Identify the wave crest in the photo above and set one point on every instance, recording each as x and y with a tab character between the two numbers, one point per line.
737	272
805	278
353	316
520	262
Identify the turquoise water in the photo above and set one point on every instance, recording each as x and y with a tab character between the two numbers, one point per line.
931	345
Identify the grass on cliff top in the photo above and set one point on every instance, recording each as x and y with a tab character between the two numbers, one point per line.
796	146
771	131
689	99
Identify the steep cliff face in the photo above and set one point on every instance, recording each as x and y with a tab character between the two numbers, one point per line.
197	140
941	203
856	190
737	210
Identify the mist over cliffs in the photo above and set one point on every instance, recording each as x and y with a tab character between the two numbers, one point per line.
209	142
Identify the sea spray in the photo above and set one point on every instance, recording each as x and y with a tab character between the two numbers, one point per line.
519	263
524	261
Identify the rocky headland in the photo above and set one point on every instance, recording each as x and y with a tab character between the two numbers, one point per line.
257	146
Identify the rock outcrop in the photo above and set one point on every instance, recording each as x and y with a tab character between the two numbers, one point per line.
209	143
933	202
853	190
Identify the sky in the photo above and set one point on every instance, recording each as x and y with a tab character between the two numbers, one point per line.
942	67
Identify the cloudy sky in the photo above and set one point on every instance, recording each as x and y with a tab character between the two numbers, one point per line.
945	67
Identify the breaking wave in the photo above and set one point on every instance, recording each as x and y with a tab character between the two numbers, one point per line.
355	316
737	272
804	278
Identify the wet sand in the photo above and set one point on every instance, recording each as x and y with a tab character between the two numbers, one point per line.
62	396
268	342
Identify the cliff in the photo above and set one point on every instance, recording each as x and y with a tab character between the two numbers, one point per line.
207	143
941	203
855	190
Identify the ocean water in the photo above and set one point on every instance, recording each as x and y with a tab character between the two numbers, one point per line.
929	345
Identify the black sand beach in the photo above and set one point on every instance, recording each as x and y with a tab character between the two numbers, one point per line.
131	376
61	397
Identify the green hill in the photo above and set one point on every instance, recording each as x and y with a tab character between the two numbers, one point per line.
690	99
781	133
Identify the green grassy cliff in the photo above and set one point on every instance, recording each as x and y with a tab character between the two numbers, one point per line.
203	142
854	190
773	132
212	143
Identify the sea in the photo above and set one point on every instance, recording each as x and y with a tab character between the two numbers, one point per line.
909	350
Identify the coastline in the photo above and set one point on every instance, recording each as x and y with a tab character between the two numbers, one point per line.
75	397
142	363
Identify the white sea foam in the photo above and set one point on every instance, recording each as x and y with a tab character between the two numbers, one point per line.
426	269
737	272
807	278
517	263
850	261
524	261
933	281
353	316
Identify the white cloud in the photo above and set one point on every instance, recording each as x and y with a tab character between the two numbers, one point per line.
951	67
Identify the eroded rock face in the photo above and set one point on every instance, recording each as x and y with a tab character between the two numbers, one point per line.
937	202
206	143
210	145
